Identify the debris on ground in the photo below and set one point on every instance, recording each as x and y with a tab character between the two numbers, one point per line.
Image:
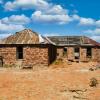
93	82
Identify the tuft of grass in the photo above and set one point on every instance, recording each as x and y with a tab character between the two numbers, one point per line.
9	65
58	61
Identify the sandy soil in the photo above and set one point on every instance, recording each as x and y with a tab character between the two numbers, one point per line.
71	83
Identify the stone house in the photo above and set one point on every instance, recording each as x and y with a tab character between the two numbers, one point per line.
76	48
27	48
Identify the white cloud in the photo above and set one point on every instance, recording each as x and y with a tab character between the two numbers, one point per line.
2	35
7	27
75	17
16	19
87	21
50	18
98	23
26	4
52	34
10	27
47	12
93	32
56	9
97	38
9	6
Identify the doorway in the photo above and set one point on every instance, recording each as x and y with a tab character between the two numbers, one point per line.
19	52
1	61
77	53
65	52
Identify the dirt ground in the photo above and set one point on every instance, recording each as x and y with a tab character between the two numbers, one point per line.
70	83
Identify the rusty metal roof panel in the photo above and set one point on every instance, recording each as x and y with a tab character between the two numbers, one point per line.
72	40
26	36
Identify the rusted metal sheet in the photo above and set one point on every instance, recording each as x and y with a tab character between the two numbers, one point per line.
73	40
25	36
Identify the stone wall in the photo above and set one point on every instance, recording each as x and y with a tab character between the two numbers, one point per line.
96	54
31	56
38	55
83	52
59	53
8	54
35	56
71	53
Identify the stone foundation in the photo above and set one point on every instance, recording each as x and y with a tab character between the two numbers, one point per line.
71	53
59	53
96	54
83	52
8	55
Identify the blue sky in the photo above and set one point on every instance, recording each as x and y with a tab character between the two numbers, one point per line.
51	17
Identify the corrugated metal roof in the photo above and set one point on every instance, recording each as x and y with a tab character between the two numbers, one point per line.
72	40
25	36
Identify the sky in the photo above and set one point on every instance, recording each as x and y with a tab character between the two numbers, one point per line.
51	17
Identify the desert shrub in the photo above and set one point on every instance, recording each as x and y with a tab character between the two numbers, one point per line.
8	65
58	61
93	82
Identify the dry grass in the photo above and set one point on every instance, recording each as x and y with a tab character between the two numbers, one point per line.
70	83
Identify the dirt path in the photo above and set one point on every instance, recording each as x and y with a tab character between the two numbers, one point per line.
50	84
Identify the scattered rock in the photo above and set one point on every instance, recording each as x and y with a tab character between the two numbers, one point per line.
98	67
69	63
93	82
91	69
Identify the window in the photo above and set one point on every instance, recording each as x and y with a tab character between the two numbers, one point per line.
20	52
64	51
76	53
89	52
76	50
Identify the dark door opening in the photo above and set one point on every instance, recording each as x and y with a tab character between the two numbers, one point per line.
64	51
89	52
19	52
1	61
